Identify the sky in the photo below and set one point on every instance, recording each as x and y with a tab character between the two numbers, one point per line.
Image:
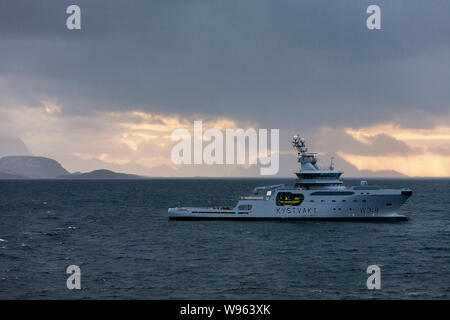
110	95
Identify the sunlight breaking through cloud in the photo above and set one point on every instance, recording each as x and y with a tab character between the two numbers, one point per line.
428	159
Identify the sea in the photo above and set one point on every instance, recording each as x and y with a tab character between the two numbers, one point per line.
118	234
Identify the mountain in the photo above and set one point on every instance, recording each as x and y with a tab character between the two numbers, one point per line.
288	165
380	174
101	174
13	146
31	167
352	171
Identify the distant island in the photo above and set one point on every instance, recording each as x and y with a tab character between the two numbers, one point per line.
10	176
31	167
101	174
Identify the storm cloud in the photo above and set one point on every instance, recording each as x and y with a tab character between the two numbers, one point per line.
283	63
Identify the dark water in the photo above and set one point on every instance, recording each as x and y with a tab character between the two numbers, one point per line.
119	235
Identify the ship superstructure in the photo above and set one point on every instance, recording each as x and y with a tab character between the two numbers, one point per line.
310	175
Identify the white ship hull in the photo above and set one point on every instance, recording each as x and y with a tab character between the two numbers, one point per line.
318	194
344	205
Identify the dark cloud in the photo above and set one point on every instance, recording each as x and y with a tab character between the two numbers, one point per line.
441	150
337	140
382	144
282	63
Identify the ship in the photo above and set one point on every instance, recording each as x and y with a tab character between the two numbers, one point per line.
317	194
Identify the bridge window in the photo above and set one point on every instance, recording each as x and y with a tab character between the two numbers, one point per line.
332	193
245	207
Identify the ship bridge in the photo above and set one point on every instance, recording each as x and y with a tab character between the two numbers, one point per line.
310	175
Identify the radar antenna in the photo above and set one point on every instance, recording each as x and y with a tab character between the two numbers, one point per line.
299	144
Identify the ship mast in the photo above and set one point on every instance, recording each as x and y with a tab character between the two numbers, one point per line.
304	157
